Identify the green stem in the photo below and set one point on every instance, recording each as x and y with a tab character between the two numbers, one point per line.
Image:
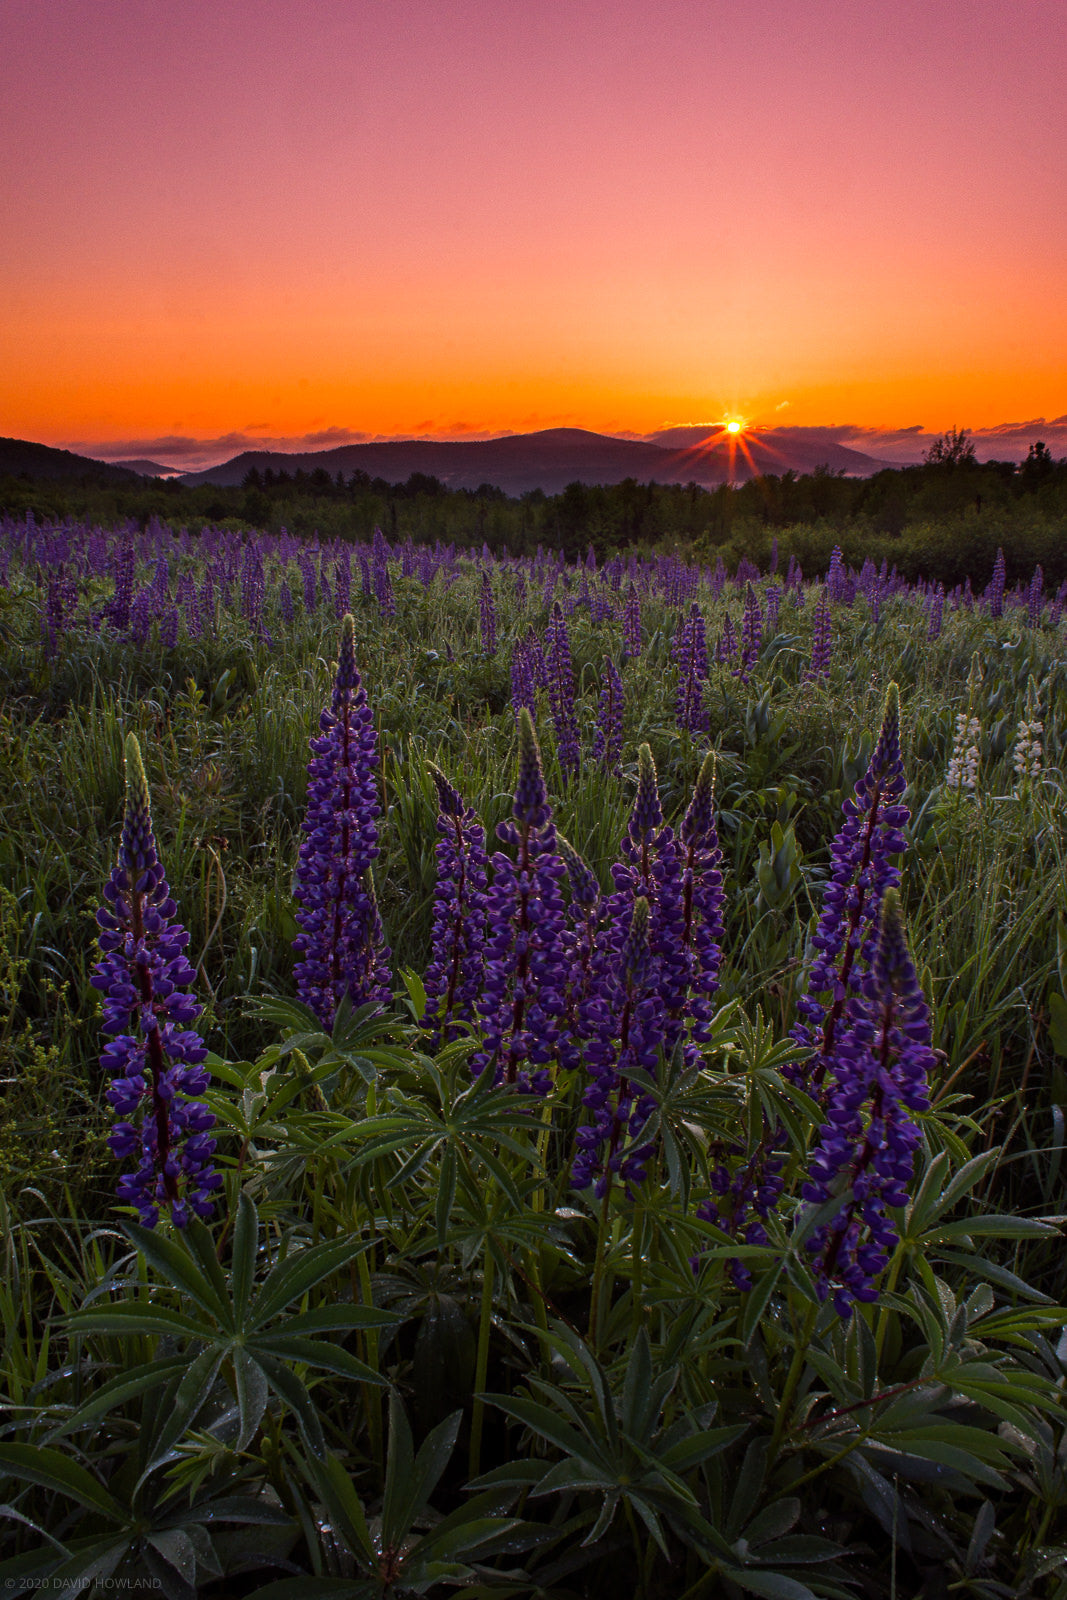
371	1394
598	1268
796	1371
637	1285
481	1366
883	1314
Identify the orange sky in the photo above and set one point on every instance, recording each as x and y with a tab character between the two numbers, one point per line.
397	216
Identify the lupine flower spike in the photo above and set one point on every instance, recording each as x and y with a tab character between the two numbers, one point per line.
454	977
702	897
341	945
867	1145
523	998
861	872
623	1024
607	742
156	1062
1027	755
962	772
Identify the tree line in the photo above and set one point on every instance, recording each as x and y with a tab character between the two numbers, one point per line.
943	518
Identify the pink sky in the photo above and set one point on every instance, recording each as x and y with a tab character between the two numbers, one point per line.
249	218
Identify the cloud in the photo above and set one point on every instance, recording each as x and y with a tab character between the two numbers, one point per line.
189	454
1005	441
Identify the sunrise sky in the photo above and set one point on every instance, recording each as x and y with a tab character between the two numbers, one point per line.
234	221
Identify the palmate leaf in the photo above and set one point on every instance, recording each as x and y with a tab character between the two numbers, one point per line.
244	1333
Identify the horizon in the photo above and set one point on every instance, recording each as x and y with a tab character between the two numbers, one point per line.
892	447
395	222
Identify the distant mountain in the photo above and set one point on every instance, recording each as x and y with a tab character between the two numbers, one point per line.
551	459
149	469
19	458
775	450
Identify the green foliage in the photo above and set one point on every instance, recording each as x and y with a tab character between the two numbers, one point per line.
409	1357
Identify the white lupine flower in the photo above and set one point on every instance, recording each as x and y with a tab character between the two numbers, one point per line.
962	772
1028	749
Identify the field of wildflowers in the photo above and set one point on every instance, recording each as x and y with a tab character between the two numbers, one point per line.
522	1078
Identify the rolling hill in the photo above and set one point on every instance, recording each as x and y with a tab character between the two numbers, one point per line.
551	459
19	458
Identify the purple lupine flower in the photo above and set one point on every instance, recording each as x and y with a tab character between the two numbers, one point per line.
155	1061
253	583
383	583
726	648
994	595
535	656
821	642
141	613
453	979
285	604
523	999
118	611
487	610
161	584
702	899
341	944
1034	598
747	1186
61	600
751	634
651	866
579	938
837	577
624	1025
860	873
342	585
206	603
774	601
607	743
523	692
168	628
561	696
631	624
691	653
867	1144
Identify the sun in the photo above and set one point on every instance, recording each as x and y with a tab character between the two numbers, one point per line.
734	425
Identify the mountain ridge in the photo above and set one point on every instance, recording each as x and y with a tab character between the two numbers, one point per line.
23	458
552	458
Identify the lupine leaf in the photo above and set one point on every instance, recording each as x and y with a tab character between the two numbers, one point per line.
53	1470
298	1273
